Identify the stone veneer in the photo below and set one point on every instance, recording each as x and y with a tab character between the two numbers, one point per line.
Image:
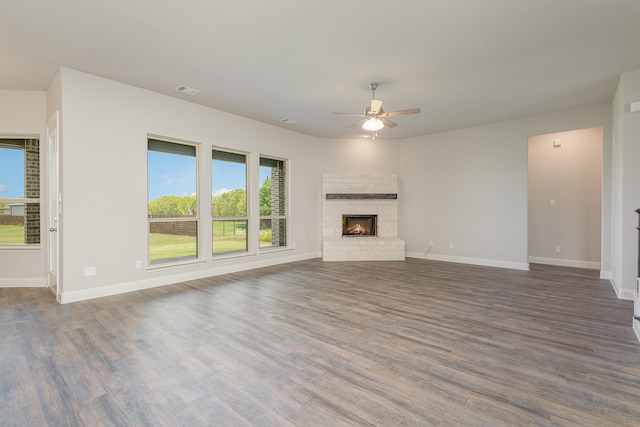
385	246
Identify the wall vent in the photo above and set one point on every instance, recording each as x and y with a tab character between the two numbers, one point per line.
187	90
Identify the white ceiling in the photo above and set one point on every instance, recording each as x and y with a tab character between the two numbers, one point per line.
463	62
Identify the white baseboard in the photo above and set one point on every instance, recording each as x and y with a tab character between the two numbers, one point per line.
621	293
606	274
627	295
473	261
615	287
23	282
121	288
565	262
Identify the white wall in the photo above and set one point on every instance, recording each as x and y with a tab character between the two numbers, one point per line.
358	156
626	185
565	167
469	187
355	156
104	182
24	113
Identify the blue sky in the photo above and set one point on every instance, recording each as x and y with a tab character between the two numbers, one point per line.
170	174
11	173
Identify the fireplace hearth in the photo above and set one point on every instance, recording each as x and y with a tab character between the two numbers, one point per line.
359	225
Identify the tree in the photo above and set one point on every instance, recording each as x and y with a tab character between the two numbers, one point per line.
265	197
232	203
172	206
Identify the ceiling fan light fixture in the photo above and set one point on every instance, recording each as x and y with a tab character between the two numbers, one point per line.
373	124
374	117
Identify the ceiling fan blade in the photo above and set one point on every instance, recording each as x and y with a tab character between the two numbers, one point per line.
400	112
358	123
376	106
388	123
352	114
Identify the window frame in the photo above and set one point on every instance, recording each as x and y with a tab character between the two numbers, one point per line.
10	142
246	218
168	262
285	187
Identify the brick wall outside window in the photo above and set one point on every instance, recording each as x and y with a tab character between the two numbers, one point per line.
278	206
32	191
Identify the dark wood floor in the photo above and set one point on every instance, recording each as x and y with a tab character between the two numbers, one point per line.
310	343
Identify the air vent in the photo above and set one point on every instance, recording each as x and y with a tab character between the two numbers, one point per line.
187	90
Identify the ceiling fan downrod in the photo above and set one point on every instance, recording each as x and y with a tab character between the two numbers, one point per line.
373	87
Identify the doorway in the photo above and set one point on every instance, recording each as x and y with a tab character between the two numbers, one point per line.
54	210
565	198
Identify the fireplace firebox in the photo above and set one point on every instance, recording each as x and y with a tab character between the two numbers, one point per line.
359	225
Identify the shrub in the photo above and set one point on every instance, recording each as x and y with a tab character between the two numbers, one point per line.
265	235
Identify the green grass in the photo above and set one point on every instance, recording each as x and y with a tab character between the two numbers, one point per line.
225	239
265	238
11	234
229	236
168	246
229	243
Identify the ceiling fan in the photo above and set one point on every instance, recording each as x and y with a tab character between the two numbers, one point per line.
374	117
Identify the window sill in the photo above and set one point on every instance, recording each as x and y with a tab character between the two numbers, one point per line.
21	248
222	257
269	250
169	265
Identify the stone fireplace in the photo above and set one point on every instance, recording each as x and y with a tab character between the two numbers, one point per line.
360	218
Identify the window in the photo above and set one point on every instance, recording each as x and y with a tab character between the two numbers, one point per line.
229	202
273	203
19	192
172	202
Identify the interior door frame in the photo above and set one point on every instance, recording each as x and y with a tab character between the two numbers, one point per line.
54	206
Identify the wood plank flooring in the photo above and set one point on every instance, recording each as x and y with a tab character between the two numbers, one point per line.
415	342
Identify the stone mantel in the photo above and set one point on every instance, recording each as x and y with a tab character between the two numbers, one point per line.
361	196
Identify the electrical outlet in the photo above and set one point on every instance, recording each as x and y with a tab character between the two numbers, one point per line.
89	271
138	265
556	249
450	245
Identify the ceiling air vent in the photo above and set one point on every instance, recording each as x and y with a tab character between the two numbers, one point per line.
187	90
